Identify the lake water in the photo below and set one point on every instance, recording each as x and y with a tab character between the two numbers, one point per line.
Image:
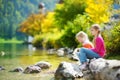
19	55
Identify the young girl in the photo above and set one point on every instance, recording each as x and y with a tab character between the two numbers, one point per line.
97	52
82	38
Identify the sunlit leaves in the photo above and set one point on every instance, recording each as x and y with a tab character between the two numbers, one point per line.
42	28
82	21
38	23
113	40
59	6
48	23
32	25
68	11
99	10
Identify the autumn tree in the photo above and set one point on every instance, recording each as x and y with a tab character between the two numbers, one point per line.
32	25
50	32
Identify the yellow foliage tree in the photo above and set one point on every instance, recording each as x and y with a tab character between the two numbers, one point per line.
47	24
99	10
32	25
49	29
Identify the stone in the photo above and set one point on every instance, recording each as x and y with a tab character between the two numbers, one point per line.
2	68
32	69
74	58
64	51
18	69
51	51
43	64
67	71
102	69
98	69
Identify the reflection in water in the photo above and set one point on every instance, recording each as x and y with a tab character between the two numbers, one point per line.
10	50
30	49
27	54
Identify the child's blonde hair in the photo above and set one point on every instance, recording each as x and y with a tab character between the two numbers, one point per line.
82	35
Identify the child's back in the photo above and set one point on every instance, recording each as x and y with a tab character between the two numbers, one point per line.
87	44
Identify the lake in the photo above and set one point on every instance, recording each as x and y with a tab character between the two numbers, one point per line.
21	55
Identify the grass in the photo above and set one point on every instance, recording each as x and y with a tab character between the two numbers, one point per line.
13	40
113	57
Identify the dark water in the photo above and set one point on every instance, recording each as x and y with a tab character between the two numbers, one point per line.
19	55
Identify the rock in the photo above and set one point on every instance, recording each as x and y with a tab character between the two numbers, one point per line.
97	65
18	69
74	54
98	69
64	51
60	52
32	69
74	58
51	51
67	71
43	64
2	68
102	69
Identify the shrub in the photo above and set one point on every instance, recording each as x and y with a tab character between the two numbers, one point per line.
37	42
112	40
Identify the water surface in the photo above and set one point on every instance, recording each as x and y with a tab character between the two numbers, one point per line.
19	55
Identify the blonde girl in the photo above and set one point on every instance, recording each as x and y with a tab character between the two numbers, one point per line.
82	37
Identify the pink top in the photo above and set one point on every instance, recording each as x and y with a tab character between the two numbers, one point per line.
99	46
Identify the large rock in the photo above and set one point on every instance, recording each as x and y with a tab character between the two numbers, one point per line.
67	71
98	69
102	69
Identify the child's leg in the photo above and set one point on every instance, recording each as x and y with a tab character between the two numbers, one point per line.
85	54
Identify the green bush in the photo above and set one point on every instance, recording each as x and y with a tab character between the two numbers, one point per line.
37	42
80	23
46	42
112	40
68	37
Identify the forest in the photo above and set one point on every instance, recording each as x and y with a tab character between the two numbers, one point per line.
13	12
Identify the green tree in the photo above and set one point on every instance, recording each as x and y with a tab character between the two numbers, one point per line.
71	18
68	11
80	23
